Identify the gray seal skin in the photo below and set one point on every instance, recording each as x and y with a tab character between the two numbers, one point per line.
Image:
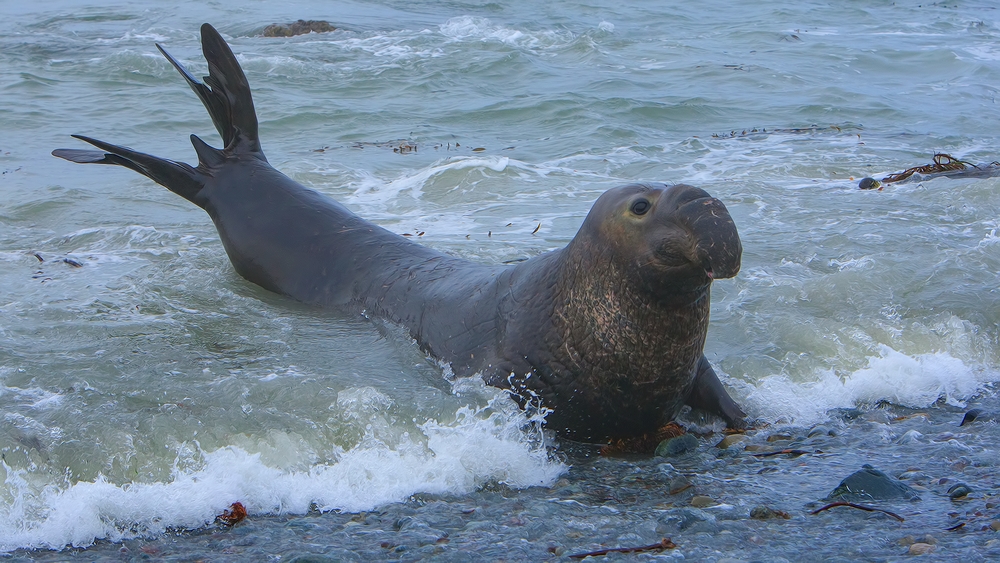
608	332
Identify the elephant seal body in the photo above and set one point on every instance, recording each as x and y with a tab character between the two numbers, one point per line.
607	332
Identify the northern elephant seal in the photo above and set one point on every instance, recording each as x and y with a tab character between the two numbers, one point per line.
607	332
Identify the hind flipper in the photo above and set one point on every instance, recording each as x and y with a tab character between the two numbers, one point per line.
94	157
227	94
177	177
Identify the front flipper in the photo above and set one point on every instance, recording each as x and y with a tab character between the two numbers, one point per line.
709	395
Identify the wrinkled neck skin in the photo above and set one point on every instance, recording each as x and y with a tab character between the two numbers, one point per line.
621	359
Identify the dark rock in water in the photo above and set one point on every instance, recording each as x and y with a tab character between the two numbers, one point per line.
872	484
693	519
679	484
767	513
313	558
978	414
677	446
702	501
958	491
869	184
971	416
731	440
850	414
300	27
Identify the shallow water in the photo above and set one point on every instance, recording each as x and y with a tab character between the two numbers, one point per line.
145	391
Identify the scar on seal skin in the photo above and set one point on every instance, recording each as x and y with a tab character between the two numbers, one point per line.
607	332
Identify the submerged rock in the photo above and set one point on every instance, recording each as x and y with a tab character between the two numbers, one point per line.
907	541
821	431
767	513
959	491
731	440
692	519
300	27
871	484
701	501
677	446
978	414
679	484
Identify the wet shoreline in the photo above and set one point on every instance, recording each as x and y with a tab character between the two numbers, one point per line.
618	502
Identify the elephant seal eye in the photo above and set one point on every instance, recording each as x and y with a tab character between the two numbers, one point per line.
640	207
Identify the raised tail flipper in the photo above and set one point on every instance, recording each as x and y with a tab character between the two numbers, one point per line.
228	101
227	96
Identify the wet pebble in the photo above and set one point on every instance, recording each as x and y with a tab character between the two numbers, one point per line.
731	440
299	27
871	484
995	525
679	483
915	475
313	558
921	548
910	540
970	417
779	437
767	513
677	446
977	414
959	491
869	184
692	519
701	501
821	431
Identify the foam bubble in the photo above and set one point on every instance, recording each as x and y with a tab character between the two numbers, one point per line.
916	381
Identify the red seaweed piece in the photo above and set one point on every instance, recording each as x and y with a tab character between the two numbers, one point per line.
233	515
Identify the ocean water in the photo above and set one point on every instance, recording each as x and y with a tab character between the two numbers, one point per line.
145	386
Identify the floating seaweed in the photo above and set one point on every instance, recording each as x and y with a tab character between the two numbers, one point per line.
859	507
763	132
944	165
401	146
665	543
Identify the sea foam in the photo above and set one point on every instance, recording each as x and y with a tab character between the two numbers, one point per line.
492	443
916	381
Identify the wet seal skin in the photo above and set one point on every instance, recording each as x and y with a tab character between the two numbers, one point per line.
607	332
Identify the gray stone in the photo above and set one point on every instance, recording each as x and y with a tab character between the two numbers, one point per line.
871	484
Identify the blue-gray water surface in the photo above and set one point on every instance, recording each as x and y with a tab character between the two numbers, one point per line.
145	387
